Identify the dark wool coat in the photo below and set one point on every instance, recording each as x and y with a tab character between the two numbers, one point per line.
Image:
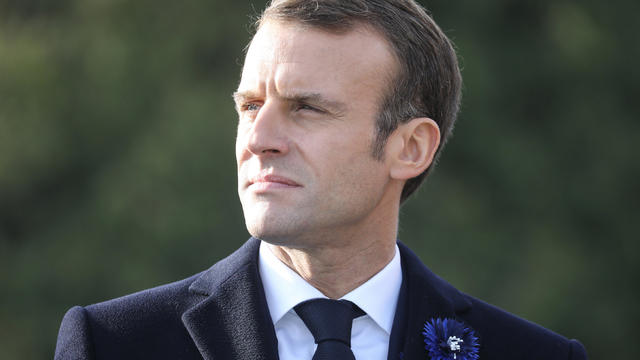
222	314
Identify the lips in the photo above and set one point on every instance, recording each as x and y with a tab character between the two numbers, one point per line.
265	181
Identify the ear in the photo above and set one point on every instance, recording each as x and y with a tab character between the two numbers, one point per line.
412	147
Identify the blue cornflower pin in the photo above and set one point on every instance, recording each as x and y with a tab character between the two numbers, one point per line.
450	339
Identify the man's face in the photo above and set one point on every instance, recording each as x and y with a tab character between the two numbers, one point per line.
307	105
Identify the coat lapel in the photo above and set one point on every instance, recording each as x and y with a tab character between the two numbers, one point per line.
233	321
423	296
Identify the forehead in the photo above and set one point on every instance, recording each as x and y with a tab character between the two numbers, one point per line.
290	55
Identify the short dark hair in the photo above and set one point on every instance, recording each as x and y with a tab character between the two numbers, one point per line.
428	81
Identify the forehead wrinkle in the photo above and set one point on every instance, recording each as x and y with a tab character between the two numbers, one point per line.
276	63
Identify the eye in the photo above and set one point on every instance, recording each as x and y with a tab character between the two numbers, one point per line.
306	107
250	107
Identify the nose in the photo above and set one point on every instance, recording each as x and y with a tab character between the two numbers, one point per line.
267	134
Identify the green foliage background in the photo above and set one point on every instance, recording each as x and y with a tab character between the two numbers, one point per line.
117	169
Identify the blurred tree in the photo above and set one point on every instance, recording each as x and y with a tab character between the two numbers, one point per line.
117	170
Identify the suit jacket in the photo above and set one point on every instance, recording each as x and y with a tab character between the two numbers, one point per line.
222	314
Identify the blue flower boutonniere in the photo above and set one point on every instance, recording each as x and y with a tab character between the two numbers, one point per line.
450	339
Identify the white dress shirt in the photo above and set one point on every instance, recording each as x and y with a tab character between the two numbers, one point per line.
370	333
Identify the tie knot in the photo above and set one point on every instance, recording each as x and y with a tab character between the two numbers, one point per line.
329	319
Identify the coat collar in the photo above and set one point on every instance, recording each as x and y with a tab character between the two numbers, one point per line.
233	321
423	296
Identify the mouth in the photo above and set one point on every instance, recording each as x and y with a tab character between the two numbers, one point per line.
263	182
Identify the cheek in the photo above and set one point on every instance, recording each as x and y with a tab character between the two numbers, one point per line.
350	167
240	146
238	150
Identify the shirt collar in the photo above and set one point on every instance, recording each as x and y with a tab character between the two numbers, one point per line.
284	289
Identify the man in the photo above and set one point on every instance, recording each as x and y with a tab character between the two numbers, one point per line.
343	107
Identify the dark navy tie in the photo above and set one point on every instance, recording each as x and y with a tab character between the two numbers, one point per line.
330	324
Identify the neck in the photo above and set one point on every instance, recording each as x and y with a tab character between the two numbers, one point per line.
344	260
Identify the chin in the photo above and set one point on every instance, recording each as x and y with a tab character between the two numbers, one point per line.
263	228
280	230
272	237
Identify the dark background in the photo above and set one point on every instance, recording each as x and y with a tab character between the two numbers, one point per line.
117	168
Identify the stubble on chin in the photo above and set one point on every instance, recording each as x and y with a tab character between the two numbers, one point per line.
274	228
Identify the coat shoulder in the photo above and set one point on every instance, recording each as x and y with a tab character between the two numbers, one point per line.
139	324
147	324
150	302
503	335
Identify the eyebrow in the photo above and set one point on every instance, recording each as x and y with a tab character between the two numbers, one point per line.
241	96
334	106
